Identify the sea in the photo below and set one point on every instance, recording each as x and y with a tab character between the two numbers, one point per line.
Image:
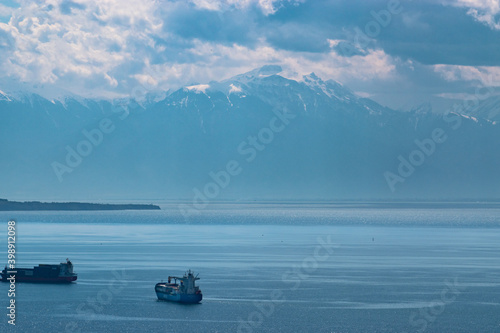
263	267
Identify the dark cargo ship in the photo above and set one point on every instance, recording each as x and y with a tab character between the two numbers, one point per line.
62	273
184	292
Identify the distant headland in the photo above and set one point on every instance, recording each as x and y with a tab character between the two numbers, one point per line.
6	205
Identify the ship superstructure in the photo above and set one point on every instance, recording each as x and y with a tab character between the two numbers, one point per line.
183	289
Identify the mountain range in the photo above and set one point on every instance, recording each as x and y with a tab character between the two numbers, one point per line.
255	136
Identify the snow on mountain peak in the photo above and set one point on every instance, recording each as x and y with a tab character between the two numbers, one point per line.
330	88
198	88
311	77
234	89
4	96
262	72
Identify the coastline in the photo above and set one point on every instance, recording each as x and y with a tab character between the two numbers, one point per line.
6	205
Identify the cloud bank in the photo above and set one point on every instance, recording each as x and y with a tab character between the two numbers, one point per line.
106	48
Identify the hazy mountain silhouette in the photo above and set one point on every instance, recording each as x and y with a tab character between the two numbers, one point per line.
307	139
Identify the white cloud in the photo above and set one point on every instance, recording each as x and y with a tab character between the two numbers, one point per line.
217	61
83	48
6	11
208	4
334	42
111	80
376	64
486	75
111	46
268	7
458	96
484	11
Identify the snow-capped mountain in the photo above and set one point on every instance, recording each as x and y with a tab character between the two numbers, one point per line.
291	139
488	108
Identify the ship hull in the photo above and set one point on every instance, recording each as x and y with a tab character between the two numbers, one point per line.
34	279
181	298
41	274
185	291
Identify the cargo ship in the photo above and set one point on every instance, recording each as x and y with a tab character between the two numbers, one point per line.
183	292
62	273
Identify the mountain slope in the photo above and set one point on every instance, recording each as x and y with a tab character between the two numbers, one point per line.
308	139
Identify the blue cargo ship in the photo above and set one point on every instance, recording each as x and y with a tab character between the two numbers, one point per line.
185	291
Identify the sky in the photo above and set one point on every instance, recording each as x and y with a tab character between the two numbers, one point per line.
400	53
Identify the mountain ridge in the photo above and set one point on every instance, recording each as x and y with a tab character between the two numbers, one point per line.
337	145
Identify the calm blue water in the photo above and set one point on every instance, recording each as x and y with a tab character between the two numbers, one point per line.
379	270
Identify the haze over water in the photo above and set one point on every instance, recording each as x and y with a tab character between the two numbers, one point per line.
263	269
261	128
